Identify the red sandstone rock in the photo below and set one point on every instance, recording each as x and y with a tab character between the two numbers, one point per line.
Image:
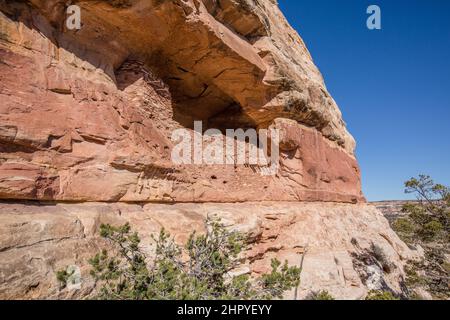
81	121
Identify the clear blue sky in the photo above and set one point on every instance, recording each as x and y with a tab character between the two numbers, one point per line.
392	85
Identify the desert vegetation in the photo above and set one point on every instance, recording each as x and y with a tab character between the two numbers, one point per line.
204	269
425	224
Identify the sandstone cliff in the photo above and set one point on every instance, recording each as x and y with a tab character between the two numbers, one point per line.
87	115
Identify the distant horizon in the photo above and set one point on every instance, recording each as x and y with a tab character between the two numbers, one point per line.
392	85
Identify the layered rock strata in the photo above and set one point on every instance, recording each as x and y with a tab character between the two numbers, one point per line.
343	248
87	115
86	120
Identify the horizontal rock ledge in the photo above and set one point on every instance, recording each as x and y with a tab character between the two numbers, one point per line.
36	240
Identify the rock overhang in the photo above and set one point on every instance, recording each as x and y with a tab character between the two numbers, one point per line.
211	67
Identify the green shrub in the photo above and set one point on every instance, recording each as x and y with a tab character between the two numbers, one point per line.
403	225
381	295
63	277
201	270
322	295
431	230
413	280
405	228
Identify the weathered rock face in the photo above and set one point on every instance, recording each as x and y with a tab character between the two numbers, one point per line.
88	115
344	247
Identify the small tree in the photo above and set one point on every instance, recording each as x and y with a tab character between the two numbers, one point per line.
428	219
431	215
427	223
201	270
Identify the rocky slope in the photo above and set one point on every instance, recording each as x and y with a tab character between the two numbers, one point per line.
346	249
87	116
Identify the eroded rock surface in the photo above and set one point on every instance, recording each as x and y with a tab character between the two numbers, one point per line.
344	247
88	115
